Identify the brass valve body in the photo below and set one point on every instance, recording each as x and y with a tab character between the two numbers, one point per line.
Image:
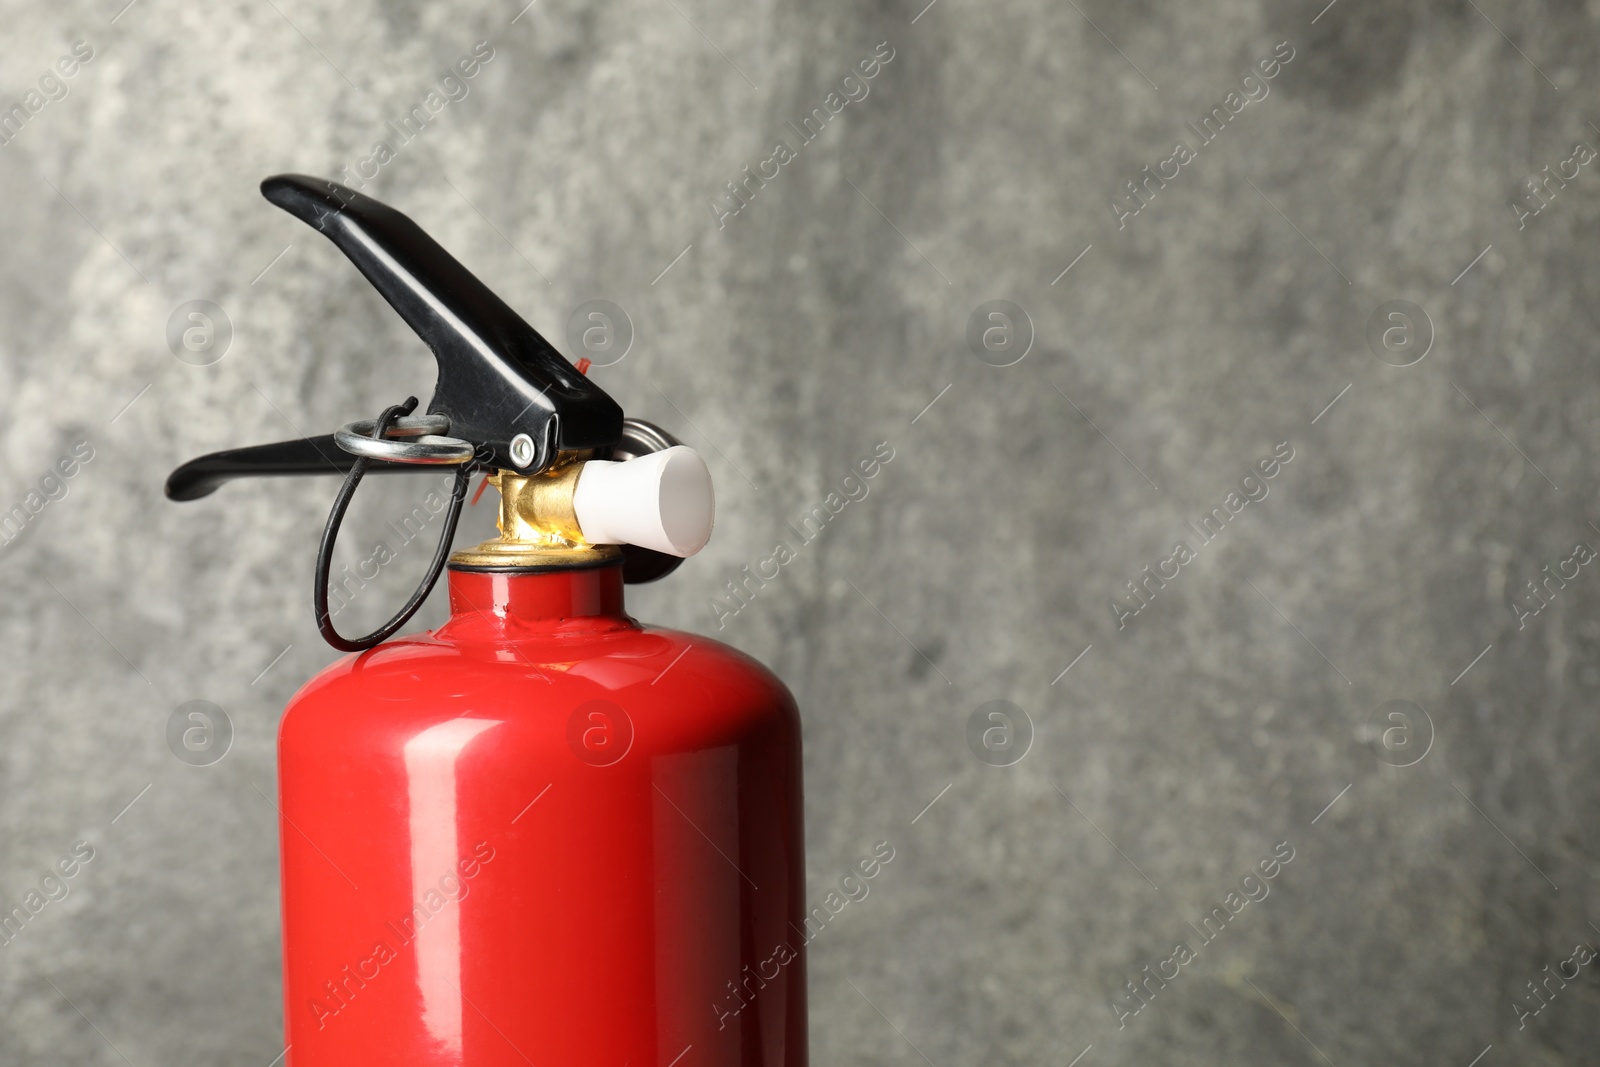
538	527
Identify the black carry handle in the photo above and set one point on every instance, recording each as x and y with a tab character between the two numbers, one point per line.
498	377
305	455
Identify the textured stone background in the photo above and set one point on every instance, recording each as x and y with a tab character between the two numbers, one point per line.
1222	320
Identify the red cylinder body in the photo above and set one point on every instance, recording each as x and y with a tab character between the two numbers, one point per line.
543	834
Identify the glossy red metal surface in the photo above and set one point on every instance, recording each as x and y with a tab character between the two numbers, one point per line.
543	834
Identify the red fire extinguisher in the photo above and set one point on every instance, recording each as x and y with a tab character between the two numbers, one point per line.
543	833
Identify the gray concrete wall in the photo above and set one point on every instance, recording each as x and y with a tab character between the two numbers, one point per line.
1186	343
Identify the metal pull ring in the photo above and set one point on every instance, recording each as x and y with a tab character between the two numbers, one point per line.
418	444
379	427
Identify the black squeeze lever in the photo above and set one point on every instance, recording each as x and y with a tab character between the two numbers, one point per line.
498	378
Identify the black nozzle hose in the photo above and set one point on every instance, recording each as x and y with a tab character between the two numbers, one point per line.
330	535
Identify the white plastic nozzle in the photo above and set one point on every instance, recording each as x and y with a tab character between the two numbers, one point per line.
661	501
